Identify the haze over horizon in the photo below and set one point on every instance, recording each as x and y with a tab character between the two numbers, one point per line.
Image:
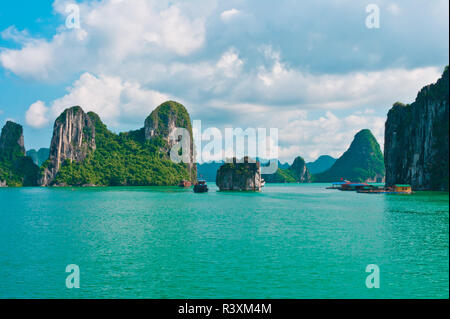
312	69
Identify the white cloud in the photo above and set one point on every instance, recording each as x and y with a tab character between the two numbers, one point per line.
329	134
36	116
116	101
135	54
229	14
281	84
230	63
394	9
12	33
112	32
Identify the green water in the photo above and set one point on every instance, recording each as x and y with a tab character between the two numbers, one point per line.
290	241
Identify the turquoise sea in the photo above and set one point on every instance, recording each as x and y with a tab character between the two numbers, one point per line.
290	241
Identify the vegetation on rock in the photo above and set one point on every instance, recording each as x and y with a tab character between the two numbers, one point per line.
296	173
16	169
363	161
417	139
124	159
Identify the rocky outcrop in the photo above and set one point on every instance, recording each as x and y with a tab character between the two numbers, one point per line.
417	139
16	169
295	173
239	176
85	153
12	141
362	162
73	139
300	171
161	124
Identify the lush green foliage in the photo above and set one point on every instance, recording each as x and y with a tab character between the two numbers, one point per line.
124	159
19	172
280	176
15	168
362	161
293	174
167	111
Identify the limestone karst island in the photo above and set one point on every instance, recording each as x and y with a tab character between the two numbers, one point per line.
83	152
204	150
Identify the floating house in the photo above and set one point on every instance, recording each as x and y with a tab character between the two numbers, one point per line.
353	186
402	188
396	189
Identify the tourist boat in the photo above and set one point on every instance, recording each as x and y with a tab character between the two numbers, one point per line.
337	185
185	184
201	187
263	183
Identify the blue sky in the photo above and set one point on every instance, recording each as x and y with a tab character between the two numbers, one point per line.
311	68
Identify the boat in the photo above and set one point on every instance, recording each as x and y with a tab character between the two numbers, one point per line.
337	185
353	186
263	183
201	187
185	184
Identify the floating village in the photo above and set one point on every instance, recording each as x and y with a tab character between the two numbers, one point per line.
245	175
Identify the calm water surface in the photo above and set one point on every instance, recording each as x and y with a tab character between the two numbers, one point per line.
290	241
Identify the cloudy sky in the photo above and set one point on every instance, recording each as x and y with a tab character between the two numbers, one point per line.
312	69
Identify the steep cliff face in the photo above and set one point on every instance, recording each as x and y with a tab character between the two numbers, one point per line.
161	124
73	139
84	152
16	169
300	171
362	162
239	176
417	139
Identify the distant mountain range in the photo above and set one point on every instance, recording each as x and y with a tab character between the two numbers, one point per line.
208	171
39	157
322	164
